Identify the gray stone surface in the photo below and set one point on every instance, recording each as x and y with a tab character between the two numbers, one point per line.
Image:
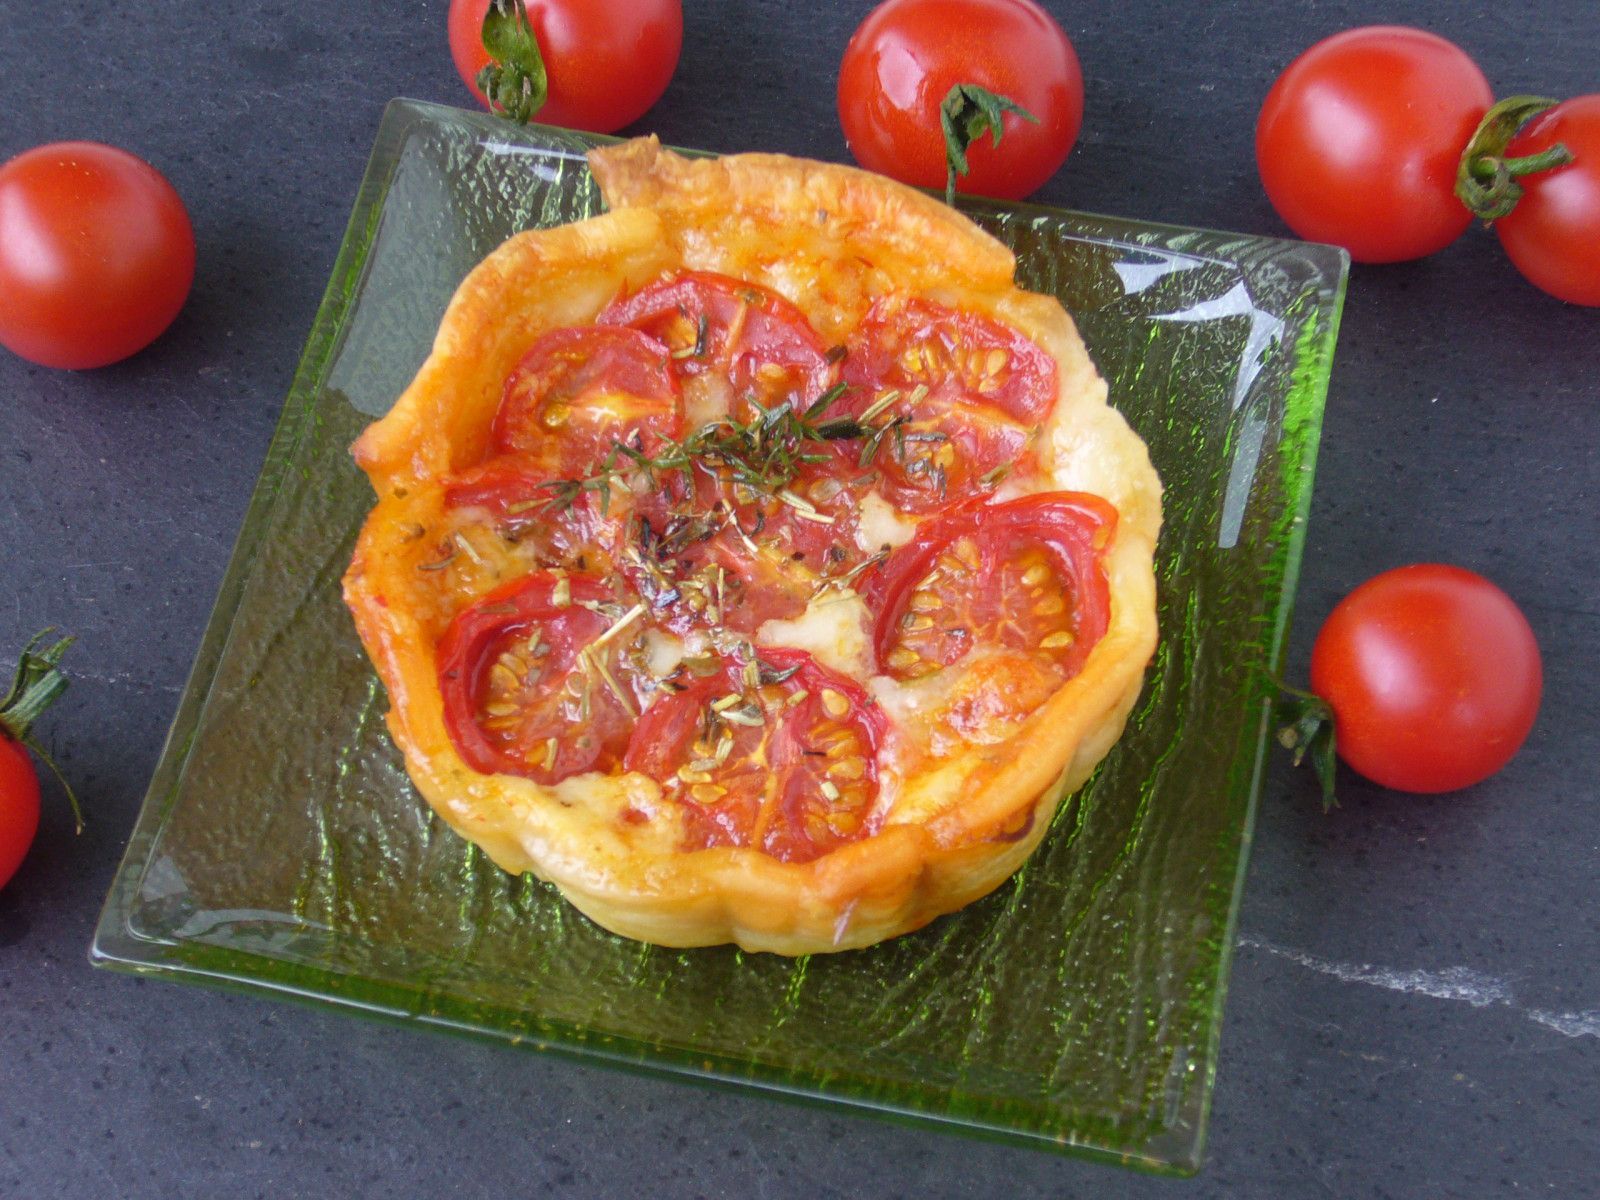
1415	1009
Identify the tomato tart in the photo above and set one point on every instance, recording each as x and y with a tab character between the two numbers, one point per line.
755	562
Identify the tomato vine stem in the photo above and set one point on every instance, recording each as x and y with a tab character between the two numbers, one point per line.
514	81
1486	180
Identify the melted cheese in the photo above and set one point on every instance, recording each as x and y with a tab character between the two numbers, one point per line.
835	629
879	525
662	652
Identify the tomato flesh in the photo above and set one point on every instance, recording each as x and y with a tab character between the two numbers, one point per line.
748	335
1434	678
788	767
1553	234
96	254
1358	141
514	493
1023	576
972	390
579	391
523	692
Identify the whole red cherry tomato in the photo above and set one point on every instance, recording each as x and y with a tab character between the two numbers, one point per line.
606	62
1433	675
37	683
907	55
19	806
1553	234
1359	138
96	254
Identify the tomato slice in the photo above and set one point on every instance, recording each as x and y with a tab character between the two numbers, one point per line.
706	560
779	755
513	491
524	693
1022	576
578	391
972	388
724	327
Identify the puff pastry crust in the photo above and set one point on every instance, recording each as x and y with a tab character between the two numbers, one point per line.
954	816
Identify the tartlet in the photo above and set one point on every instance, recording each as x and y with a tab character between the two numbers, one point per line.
755	562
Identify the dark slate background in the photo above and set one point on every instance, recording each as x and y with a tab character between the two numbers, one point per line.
1414	1010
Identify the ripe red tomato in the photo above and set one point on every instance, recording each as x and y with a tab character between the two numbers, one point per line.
1359	138
606	63
19	806
96	254
1553	234
908	54
1433	675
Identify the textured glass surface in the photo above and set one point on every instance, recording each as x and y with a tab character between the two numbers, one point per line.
282	849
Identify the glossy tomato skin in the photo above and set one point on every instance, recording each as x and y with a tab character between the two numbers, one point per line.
907	55
1553	234
1433	675
1358	141
19	806
606	62
96	254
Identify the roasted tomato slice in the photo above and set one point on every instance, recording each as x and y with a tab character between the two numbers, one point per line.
707	560
721	328
534	682
579	391
514	494
1022	576
779	754
973	391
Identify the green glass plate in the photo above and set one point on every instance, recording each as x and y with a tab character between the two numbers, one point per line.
281	848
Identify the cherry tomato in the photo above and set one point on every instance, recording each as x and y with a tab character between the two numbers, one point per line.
787	766
1359	138
1433	675
96	254
908	54
606	63
524	695
721	328
1553	234
1022	576
579	391
19	806
983	387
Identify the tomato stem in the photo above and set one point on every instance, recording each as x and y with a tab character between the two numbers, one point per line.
1486	180
1306	727
515	81
37	685
966	112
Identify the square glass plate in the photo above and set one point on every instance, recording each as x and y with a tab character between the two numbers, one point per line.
282	850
